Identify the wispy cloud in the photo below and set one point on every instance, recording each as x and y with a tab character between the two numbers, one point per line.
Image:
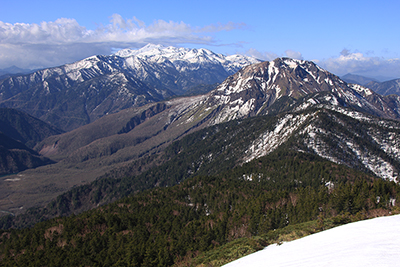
268	56
294	54
64	40
271	55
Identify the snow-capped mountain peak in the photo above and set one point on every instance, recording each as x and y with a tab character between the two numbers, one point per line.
283	75
170	52
128	52
180	55
255	88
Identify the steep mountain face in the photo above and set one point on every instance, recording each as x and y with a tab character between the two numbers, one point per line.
19	133
25	128
385	88
318	113
16	157
76	94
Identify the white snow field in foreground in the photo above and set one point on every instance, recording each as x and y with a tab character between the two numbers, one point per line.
373	242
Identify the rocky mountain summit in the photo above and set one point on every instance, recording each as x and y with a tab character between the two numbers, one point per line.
256	88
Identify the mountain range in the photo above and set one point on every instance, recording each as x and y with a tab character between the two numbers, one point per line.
13	71
357	79
387	87
160	168
346	123
76	94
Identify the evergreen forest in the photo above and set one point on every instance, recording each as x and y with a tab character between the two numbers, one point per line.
207	220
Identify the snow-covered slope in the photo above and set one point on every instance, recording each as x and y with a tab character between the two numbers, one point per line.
374	242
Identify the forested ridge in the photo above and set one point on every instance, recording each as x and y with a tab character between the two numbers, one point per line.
167	226
184	158
209	151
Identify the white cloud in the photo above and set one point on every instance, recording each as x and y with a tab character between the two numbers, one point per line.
346	62
64	40
271	55
358	63
60	31
293	54
268	56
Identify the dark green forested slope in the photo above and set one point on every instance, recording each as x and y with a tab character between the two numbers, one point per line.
166	226
183	159
209	151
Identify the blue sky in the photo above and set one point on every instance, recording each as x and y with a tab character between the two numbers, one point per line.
341	36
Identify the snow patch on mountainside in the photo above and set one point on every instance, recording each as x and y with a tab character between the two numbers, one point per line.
334	145
315	140
236	109
390	143
269	141
184	107
293	63
373	162
361	89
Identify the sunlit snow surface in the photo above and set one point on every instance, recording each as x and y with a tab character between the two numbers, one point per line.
374	242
